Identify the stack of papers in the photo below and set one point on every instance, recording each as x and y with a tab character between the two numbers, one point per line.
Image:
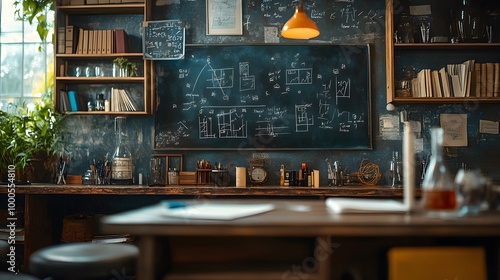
359	205
214	211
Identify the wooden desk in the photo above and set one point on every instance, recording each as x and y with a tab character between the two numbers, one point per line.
299	234
43	206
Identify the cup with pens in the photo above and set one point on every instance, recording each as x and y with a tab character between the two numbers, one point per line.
100	172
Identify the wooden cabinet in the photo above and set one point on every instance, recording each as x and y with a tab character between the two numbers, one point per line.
431	56
86	47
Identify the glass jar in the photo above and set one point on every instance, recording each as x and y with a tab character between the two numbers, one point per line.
99	102
471	185
471	22
403	86
438	187
122	165
404	31
156	170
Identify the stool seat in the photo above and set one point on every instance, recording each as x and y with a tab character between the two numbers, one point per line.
83	260
4	250
13	276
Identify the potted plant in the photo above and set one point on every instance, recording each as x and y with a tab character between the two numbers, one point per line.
29	139
126	67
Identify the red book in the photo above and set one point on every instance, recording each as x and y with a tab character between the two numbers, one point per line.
121	41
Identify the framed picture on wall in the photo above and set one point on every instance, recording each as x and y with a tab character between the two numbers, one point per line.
224	17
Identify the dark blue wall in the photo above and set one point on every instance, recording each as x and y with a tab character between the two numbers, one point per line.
350	22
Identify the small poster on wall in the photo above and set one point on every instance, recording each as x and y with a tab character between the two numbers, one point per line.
455	129
224	17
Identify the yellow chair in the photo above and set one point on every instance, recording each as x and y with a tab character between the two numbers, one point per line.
440	263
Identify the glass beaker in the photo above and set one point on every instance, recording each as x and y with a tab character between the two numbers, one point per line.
438	188
471	186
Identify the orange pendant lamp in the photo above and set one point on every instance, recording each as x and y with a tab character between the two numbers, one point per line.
300	26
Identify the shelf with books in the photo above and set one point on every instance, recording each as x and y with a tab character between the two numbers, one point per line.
94	80
90	38
118	8
429	60
446	45
99	56
102	98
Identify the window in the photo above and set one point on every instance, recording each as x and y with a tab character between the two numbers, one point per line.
27	64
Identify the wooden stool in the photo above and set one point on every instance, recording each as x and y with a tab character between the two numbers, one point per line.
13	276
84	261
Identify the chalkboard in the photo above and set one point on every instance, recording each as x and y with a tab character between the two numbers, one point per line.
265	97
163	40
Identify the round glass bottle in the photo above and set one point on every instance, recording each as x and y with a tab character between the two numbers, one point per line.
438	187
122	165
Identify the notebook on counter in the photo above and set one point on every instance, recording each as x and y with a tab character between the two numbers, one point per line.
359	205
214	211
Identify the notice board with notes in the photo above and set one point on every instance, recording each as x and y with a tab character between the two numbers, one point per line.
163	39
265	97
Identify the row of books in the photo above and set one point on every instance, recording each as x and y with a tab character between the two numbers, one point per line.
467	79
93	2
69	101
82	41
120	101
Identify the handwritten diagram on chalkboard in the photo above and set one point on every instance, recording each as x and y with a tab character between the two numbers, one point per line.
265	97
163	40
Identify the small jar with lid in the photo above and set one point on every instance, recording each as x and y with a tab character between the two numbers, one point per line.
403	86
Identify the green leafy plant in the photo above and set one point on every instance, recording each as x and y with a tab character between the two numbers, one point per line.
35	11
28	132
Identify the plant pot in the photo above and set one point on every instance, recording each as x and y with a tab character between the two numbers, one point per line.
41	169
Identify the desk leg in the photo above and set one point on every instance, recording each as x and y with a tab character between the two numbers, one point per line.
322	253
146	262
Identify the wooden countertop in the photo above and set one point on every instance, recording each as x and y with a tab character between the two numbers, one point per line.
197	248
207	190
303	218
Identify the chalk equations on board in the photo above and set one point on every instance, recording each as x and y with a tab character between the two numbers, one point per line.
163	40
224	97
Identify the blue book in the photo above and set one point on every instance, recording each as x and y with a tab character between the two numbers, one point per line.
72	101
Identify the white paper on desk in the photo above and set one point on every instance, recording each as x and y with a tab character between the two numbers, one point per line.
218	211
360	205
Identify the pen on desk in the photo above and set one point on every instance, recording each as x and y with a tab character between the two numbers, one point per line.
174	204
